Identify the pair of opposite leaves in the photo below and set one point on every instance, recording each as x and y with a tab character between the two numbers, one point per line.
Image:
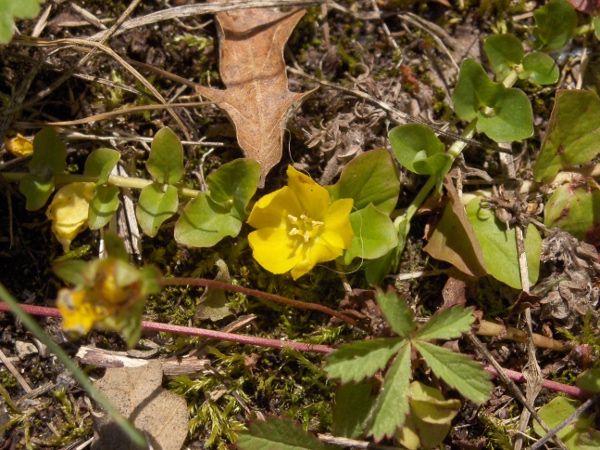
257	98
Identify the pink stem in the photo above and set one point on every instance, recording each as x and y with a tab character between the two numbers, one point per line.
190	331
273	343
573	391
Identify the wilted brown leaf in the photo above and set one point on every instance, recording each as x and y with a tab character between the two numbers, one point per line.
257	98
454	240
137	393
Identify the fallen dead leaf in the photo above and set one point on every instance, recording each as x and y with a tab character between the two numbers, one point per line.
257	98
137	393
454	240
213	302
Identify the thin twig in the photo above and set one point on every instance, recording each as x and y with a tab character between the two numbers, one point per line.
260	294
514	389
24	384
578	412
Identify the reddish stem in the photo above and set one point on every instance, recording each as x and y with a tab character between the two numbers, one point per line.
190	331
273	343
256	293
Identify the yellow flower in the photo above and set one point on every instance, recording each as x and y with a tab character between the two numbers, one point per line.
298	226
19	146
69	211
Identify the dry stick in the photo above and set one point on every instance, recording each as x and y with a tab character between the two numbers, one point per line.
15	372
398	117
511	385
579	411
353	443
203	8
40	95
113	54
256	293
532	371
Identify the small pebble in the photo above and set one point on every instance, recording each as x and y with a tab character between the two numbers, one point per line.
25	349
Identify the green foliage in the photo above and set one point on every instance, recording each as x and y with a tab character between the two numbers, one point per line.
430	418
556	22
503	114
104	204
353	404
575	208
357	361
418	149
100	163
499	246
49	159
571	137
579	434
165	163
157	203
506	54
589	380
369	178
277	434
213	215
374	234
15	9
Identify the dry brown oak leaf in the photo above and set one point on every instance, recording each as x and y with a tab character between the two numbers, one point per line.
257	98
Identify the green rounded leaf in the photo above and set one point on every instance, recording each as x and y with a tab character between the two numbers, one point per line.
503	114
596	25
374	235
233	184
15	9
204	223
100	163
71	271
572	135
37	190
556	22
512	119
165	163
416	148
504	51
540	68
157	203
104	204
499	246
575	209
474	90
49	154
115	248
369	178
558	410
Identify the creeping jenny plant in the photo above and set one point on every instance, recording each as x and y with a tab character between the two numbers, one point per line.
298	226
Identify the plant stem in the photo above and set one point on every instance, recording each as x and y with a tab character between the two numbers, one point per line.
115	180
256	293
13	305
573	391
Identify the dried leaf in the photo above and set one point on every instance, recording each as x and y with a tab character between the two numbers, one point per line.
454	240
136	392
257	98
213	302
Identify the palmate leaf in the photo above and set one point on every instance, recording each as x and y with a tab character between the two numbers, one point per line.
457	370
449	324
396	312
392	406
352	409
277	434
354	362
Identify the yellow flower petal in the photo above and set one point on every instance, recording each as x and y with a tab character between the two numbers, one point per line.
338	229
272	209
78	313
313	199
297	227
19	146
69	211
272	249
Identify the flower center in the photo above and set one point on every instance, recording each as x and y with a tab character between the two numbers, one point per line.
304	227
